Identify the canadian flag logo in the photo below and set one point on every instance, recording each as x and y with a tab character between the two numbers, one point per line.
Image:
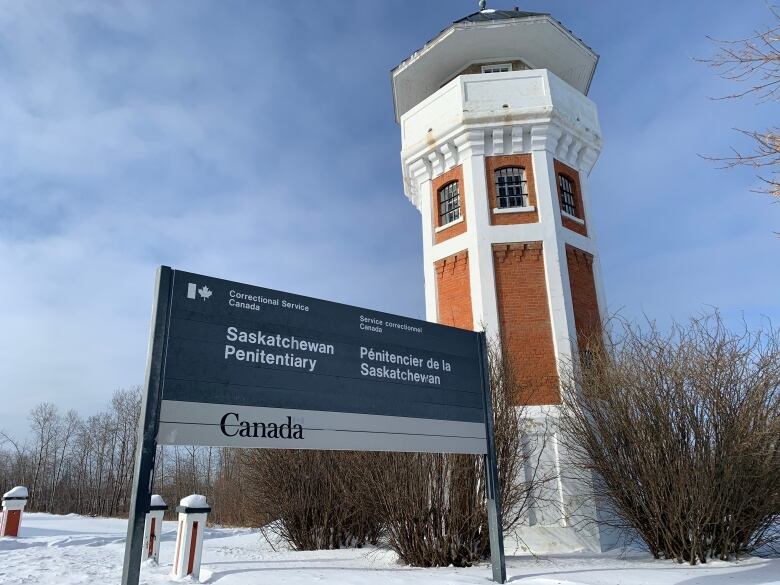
193	291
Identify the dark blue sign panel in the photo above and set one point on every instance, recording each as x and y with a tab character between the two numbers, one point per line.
251	367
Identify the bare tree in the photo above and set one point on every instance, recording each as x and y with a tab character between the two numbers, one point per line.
44	420
678	433
754	62
85	465
67	429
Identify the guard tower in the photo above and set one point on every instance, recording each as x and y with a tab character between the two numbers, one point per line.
498	138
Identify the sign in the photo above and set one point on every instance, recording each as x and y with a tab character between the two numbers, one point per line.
252	367
236	365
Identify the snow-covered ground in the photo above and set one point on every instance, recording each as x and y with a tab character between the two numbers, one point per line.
65	550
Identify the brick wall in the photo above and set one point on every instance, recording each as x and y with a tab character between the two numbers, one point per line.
583	294
574	177
493	163
454	174
524	317
453	290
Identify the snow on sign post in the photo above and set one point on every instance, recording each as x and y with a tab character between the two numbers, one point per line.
242	366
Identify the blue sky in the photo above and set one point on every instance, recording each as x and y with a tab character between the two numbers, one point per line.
255	141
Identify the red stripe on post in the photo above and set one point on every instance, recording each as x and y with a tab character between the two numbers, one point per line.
192	547
151	536
11	527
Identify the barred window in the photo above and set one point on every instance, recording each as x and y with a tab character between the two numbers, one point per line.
511	187
449	203
568	204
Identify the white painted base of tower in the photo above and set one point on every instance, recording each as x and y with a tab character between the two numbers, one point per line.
547	540
561	517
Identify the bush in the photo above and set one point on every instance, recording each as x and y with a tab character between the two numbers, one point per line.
307	498
682	432
433	506
430	507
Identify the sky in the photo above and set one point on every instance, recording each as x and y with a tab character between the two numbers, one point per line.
255	141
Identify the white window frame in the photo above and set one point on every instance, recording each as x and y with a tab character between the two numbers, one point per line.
497	68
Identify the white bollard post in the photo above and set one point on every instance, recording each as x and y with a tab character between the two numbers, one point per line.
13	505
153	528
189	535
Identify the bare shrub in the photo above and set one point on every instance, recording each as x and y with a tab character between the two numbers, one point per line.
433	506
681	429
307	498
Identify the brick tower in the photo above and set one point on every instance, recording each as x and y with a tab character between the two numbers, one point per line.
498	138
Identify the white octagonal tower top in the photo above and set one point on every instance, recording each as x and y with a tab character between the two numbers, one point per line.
492	36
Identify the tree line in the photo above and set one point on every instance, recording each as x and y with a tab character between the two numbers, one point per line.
79	464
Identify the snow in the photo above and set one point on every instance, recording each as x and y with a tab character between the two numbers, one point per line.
71	550
157	500
194	501
18	492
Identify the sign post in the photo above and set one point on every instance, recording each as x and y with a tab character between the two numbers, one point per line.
147	428
492	491
234	365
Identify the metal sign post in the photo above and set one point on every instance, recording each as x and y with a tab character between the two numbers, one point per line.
492	487
147	429
236	365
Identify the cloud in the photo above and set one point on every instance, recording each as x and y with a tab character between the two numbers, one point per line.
256	142
140	135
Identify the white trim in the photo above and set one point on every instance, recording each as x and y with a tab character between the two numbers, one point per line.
592	246
501	66
524	209
572	217
446	225
517	232
554	251
577	240
482	284
450	246
429	270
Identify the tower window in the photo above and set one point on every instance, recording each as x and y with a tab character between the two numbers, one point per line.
511	187
568	204
497	68
449	203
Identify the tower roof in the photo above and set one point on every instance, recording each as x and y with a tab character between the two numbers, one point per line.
490	35
490	14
